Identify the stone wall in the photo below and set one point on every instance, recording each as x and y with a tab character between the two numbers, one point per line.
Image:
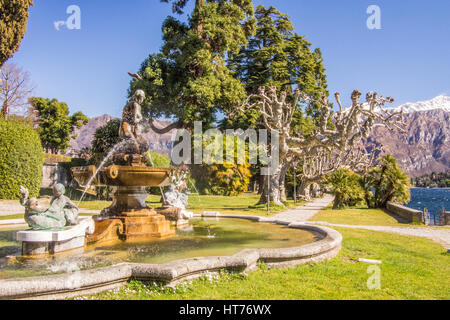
53	173
407	213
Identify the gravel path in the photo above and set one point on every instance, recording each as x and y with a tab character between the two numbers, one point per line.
309	210
439	235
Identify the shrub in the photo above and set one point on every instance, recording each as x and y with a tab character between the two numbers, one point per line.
105	138
386	182
55	158
227	179
21	159
345	185
158	160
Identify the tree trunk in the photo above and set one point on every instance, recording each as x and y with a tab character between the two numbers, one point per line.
262	184
315	190
283	173
386	197
337	204
303	190
5	110
274	189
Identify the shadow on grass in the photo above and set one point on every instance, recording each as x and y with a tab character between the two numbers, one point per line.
396	217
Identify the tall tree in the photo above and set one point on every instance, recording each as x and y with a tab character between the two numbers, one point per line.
13	25
189	80
276	56
55	124
15	89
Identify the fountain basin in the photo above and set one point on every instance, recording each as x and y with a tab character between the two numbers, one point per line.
172	271
120	176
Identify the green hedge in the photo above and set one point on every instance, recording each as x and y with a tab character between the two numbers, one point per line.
21	159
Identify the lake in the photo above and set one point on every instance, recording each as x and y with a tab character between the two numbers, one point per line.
432	199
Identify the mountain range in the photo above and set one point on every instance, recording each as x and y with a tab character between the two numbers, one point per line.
424	149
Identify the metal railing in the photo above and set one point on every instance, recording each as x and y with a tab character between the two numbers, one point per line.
437	219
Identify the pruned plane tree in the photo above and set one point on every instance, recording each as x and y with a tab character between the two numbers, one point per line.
336	142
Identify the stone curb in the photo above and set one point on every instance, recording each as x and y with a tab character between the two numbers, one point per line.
172	273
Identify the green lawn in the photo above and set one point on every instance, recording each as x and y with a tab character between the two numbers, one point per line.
358	216
243	204
364	216
413	268
12	217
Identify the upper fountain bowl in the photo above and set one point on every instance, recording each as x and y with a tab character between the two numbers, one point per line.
123	176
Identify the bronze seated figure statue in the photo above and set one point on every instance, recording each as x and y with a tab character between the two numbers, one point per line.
61	213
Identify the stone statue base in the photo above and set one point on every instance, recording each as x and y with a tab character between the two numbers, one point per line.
48	243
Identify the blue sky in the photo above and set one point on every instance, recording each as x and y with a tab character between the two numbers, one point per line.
407	59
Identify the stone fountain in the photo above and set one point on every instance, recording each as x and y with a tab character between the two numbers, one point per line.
58	228
128	217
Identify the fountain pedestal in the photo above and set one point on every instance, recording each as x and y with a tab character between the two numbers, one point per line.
137	219
128	217
144	223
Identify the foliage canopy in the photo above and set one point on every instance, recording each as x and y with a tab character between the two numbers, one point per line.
13	25
189	80
386	182
55	124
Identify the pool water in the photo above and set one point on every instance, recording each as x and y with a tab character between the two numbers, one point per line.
206	237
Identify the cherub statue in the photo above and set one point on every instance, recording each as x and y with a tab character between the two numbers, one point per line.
61	213
131	125
178	194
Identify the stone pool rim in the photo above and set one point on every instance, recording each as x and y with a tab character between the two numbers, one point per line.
88	282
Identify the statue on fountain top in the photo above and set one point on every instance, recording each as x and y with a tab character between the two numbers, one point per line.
61	213
132	123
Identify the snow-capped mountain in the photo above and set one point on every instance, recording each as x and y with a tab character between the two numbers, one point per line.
426	145
441	102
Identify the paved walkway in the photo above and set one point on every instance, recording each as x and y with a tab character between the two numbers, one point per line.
9	208
305	212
